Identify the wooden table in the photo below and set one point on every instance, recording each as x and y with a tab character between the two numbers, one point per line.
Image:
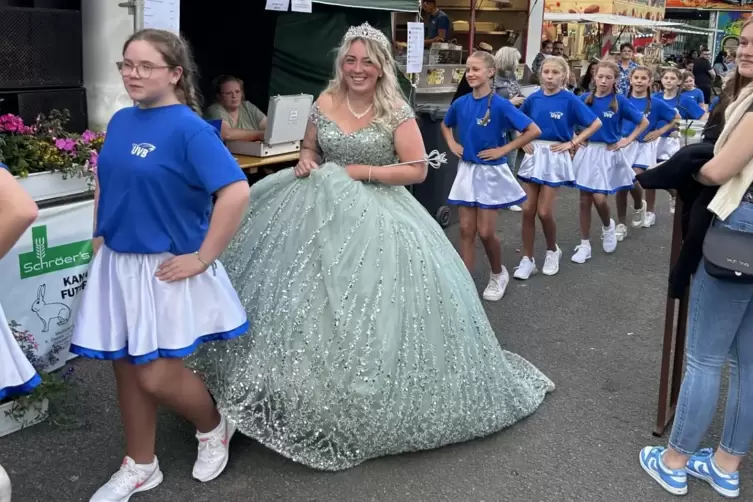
252	164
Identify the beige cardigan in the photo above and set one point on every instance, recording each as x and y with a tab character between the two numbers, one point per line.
729	195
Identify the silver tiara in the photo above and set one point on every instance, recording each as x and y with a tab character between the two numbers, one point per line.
367	32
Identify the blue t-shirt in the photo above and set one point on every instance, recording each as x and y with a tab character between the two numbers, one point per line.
557	115
660	112
611	122
467	114
217	124
157	171
696	94
3	166
714	102
439	21
682	104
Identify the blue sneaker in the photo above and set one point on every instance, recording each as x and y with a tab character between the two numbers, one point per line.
675	481
702	466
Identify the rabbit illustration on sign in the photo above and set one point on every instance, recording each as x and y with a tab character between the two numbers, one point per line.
49	311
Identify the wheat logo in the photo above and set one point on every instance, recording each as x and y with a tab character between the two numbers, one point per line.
44	259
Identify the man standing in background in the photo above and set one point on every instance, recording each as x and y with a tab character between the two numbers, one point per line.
438	24
704	74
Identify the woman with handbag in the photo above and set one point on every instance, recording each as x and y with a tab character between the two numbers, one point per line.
720	320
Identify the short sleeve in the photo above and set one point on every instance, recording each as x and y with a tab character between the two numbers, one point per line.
215	112
402	114
689	109
664	112
257	116
451	116
212	161
628	110
514	117
443	23
584	117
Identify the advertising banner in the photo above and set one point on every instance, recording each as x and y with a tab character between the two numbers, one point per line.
711	4
643	9
729	25
43	277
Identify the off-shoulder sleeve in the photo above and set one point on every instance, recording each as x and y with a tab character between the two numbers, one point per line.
402	114
315	114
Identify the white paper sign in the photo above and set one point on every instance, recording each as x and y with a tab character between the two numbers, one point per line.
301	6
44	275
415	58
281	5
162	14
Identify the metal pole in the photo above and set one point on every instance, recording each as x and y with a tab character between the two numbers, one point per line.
136	9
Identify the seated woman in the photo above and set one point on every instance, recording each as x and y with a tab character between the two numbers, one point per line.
241	120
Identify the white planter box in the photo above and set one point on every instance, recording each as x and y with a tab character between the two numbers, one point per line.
47	186
33	415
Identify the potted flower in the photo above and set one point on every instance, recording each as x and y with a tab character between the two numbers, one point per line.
49	161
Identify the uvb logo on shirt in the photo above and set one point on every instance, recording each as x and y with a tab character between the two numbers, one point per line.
608	114
556	115
142	149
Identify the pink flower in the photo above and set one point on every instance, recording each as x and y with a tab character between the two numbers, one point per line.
12	124
93	160
88	136
66	145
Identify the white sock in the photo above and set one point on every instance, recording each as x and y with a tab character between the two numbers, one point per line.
215	430
585	242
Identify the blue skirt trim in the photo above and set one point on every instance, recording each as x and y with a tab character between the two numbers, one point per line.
24	388
553	184
605	192
159	353
486	206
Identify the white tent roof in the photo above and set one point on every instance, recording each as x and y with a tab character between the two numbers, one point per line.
555	17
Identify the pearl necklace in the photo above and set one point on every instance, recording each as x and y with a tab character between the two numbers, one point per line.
359	116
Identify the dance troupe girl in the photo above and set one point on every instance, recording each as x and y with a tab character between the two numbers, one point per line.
601	168
484	183
17	376
155	289
689	89
669	142
547	164
641	154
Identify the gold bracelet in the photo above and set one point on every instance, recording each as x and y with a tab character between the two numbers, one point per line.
198	257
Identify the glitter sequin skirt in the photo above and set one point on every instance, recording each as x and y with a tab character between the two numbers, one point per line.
599	170
367	334
485	186
17	375
545	167
127	312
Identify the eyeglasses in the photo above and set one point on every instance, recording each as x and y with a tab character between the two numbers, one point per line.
143	70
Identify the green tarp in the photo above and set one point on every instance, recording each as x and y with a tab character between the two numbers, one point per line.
388	5
305	44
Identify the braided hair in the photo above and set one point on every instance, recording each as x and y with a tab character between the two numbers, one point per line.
614	105
490	64
647	70
177	53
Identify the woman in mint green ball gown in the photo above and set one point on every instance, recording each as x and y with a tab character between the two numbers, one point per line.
367	334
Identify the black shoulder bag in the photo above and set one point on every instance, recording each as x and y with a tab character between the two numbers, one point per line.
728	254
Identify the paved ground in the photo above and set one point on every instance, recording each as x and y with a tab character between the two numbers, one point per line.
594	328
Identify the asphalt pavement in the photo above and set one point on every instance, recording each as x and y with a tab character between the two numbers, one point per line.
595	329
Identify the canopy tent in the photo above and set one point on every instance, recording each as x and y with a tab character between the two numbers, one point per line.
304	44
614	19
388	5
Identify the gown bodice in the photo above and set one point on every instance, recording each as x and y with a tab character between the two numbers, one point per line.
372	145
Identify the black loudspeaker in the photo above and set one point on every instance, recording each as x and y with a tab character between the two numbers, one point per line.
40	48
29	104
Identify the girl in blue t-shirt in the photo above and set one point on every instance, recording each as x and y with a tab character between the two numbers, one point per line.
484	183
689	89
669	143
547	164
641	154
600	166
156	290
17	212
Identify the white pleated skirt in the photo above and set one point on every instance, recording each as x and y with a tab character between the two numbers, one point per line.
126	312
17	375
667	147
598	170
545	167
485	186
641	155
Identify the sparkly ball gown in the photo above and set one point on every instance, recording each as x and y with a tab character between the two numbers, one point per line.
367	334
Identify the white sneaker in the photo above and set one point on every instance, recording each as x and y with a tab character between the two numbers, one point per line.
497	286
609	237
515	209
552	262
639	215
650	220
582	253
5	490
214	451
621	232
130	479
525	269
672	202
